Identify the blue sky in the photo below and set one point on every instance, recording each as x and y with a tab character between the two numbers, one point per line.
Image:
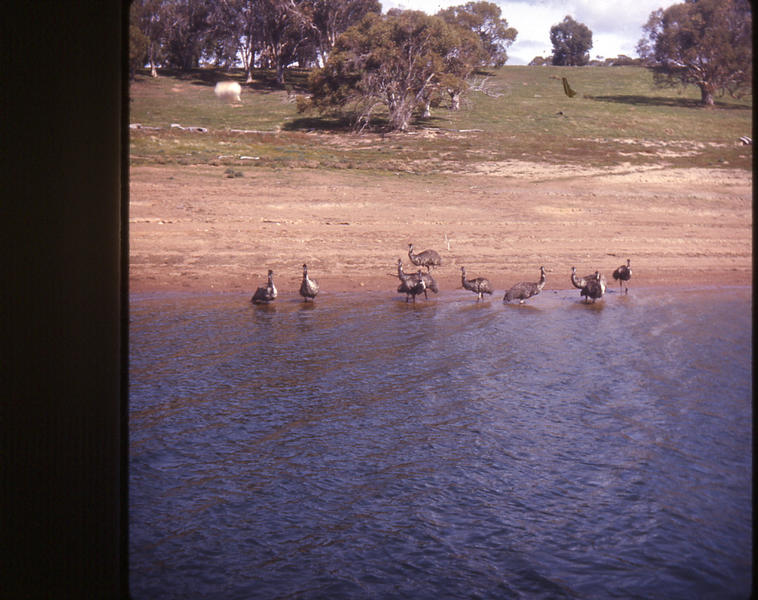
616	25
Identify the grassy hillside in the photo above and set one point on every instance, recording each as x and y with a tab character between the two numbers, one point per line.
518	113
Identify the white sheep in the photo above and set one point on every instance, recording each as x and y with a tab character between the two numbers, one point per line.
228	90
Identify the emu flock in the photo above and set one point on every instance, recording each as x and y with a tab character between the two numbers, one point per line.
591	286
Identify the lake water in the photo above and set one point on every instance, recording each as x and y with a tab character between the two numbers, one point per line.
363	447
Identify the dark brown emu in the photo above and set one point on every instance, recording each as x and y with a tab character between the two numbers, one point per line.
479	285
308	287
427	258
410	285
408	281
579	282
624	274
524	290
594	287
267	293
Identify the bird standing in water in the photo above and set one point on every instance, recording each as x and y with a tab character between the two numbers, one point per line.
525	289
594	287
267	293
408	281
479	285
309	287
417	285
624	274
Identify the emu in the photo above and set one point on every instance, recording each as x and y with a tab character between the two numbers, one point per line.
595	283
524	290
579	282
427	258
479	286
410	285
417	285
622	274
309	287
594	287
267	293
408	281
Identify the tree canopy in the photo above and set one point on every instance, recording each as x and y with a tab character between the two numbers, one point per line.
707	43
265	33
571	43
483	19
329	19
370	64
396	62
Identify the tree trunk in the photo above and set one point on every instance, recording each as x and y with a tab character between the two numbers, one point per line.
455	100
427	109
400	116
706	95
153	71
279	73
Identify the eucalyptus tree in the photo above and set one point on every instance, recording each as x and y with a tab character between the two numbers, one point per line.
393	62
138	42
237	33
706	43
483	19
571	43
148	21
249	34
330	18
185	31
226	32
284	32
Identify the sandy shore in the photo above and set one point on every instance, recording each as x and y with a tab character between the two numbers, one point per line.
195	229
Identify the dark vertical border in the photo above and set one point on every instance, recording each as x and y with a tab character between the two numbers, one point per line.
62	304
124	330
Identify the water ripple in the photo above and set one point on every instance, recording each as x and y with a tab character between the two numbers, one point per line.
448	449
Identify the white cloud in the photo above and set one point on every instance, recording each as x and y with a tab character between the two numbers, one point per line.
616	25
430	7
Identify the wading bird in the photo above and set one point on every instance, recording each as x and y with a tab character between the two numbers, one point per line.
408	281
479	285
579	282
594	287
267	293
622	274
309	287
410	285
524	290
418	285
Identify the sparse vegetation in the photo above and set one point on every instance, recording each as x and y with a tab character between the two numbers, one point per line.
517	113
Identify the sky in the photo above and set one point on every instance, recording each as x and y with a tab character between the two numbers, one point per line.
616	25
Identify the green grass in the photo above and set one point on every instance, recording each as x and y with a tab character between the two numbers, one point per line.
617	117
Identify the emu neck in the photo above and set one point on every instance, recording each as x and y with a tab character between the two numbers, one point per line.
400	273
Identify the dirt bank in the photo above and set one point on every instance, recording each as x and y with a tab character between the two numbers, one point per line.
194	228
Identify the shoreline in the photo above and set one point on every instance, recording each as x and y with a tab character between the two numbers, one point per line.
329	285
292	296
193	229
